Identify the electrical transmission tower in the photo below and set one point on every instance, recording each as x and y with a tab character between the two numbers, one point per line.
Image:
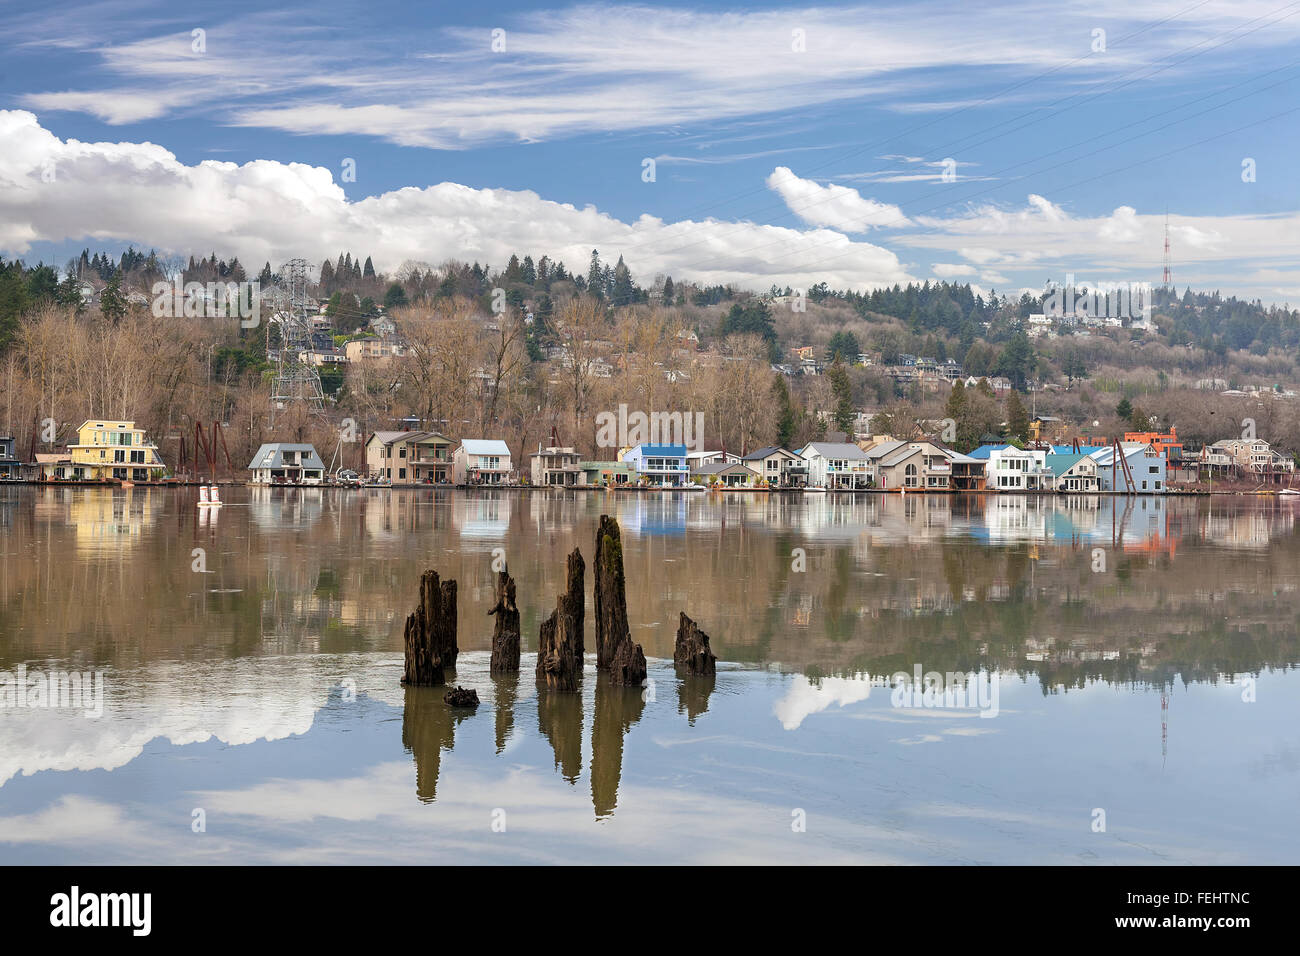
296	379
1168	275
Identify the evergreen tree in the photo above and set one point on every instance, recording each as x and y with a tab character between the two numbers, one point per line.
622	291
843	346
595	273
668	291
1124	409
369	271
69	293
786	419
842	390
395	296
112	303
1017	417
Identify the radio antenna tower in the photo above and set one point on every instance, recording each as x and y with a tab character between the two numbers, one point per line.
296	380
1168	276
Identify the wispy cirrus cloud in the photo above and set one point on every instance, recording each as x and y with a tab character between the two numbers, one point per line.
585	69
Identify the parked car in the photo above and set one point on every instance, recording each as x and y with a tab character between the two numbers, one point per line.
346	476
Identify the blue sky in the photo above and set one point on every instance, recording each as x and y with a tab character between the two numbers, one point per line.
791	143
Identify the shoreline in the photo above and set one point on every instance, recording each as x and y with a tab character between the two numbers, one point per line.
409	486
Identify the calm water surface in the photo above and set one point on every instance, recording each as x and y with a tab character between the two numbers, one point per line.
1144	651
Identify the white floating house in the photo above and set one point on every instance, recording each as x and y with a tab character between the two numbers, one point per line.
282	463
481	461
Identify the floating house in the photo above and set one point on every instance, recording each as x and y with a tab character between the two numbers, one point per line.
556	466
284	463
836	466
105	450
658	465
10	466
919	465
1014	469
608	473
419	457
724	474
482	461
1138	470
778	467
1073	472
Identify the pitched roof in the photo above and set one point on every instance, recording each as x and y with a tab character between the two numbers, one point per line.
768	452
899	455
1060	464
884	448
485	446
834	449
271	455
721	468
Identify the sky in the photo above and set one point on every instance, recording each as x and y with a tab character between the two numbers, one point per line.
860	144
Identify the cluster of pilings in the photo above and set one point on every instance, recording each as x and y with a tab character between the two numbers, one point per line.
430	635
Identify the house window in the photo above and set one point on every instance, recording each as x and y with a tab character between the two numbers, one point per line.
401	473
1144	484
1157	486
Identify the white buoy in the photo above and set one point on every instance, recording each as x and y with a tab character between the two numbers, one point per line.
203	496
214	496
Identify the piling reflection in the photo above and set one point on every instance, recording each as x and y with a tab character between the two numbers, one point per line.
559	718
693	691
507	693
616	710
428	728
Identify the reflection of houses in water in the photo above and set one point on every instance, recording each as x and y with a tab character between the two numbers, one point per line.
278	509
1251	530
108	519
554	511
1016	518
484	514
390	515
654	513
803	611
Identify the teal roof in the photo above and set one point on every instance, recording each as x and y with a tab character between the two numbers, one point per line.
1060	464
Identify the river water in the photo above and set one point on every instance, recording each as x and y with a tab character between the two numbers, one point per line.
1134	696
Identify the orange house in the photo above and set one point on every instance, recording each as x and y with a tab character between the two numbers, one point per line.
1168	445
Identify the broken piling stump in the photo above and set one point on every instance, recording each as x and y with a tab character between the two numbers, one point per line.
575	589
430	634
615	651
559	640
505	631
692	653
461	697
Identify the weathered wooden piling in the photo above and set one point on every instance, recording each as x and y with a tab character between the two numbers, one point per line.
575	588
691	652
430	634
505	631
615	651
461	697
559	641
